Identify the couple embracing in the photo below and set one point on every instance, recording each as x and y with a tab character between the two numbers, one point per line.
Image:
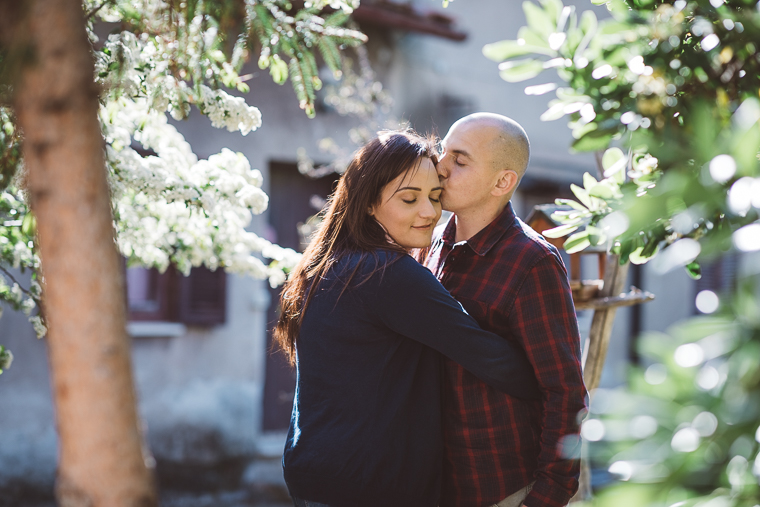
432	370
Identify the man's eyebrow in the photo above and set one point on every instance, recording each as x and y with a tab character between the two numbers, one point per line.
462	152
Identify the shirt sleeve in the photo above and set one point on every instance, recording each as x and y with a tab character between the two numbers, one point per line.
410	301
543	320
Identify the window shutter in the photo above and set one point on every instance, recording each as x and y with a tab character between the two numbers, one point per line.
202	297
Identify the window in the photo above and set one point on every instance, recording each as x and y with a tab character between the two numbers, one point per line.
198	299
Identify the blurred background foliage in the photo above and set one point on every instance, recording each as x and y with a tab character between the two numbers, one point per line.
159	57
668	96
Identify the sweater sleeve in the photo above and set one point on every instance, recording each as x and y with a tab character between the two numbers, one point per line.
409	300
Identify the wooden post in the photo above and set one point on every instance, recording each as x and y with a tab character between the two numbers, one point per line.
601	325
596	350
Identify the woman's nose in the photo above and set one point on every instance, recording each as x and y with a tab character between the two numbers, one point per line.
428	210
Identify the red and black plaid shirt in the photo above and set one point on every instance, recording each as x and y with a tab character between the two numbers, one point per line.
514	284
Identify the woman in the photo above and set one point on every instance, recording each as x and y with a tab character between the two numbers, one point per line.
364	323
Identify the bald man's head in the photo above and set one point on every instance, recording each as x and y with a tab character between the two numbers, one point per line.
506	140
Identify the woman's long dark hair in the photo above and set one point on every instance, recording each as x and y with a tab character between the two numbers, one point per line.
347	226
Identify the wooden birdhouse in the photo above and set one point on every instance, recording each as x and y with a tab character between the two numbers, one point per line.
588	293
540	219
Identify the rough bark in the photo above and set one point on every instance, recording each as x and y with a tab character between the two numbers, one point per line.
102	461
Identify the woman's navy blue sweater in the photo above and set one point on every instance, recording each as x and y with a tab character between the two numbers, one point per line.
366	424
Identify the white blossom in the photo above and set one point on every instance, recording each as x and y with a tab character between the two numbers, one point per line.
173	208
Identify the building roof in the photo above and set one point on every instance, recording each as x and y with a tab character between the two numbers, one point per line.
404	16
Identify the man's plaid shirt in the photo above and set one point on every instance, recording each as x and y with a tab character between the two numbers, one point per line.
514	283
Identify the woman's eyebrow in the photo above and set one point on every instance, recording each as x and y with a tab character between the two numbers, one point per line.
407	188
436	188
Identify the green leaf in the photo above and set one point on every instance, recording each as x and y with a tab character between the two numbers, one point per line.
595	235
577	242
520	70
638	257
506	49
614	162
553	9
589	181
337	18
651	248
619	9
533	38
555	112
571	203
612	157
588	23
626	247
29	224
694	270
6	358
582	195
593	141
538	19
278	70
601	191
562	230
583	130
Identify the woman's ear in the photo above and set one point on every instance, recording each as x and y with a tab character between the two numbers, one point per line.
371	210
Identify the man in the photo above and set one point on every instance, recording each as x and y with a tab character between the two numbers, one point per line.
515	284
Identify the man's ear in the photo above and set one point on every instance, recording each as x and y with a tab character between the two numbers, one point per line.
506	183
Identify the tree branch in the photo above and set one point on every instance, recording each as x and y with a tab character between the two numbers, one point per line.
25	291
96	9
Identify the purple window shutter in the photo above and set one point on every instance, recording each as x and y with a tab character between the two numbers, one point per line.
202	297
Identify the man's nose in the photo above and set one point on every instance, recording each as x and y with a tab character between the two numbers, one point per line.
442	166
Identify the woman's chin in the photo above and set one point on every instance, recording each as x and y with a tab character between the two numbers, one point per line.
413	245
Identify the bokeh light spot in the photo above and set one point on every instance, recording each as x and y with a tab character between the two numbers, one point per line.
707	301
747	239
705	423
656	374
592	430
708	378
740	196
622	469
722	168
689	355
685	440
643	426
710	42
603	71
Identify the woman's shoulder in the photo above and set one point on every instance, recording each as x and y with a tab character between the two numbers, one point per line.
382	265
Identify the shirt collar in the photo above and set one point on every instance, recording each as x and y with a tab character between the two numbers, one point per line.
487	237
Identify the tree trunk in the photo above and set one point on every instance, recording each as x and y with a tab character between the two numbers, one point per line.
101	453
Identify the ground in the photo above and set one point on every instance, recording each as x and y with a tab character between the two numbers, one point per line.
251	484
